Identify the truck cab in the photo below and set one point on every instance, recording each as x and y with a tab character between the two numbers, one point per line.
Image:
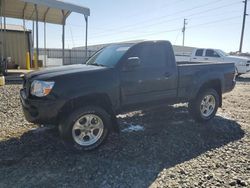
205	55
242	64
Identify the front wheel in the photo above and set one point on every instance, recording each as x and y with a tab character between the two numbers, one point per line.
205	106
86	128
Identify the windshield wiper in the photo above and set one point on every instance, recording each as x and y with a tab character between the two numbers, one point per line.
99	65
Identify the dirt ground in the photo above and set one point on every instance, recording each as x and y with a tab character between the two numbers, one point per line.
160	147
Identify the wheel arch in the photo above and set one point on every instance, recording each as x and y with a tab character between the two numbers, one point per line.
98	99
212	84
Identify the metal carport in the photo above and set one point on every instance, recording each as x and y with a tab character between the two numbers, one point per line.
47	11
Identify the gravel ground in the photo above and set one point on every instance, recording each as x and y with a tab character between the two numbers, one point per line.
160	147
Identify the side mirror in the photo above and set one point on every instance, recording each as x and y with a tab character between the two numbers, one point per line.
133	62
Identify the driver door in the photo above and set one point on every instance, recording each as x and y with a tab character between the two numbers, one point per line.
152	80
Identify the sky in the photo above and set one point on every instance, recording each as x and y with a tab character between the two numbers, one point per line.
210	23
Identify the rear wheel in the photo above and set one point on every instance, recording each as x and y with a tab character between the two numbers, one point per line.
205	106
86	128
238	75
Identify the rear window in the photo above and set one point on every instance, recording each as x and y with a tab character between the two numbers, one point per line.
199	52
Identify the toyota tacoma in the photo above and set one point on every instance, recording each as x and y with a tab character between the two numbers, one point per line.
83	100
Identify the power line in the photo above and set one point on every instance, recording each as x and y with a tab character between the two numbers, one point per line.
166	16
107	34
205	16
160	22
178	29
164	5
133	15
216	21
174	13
213	15
177	36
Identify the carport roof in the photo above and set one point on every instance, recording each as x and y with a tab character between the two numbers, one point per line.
50	11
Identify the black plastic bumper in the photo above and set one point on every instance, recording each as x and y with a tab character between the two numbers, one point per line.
40	111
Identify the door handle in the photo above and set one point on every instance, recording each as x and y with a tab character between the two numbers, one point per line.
206	58
194	58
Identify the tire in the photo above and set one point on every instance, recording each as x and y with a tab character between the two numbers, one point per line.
238	75
86	128
205	106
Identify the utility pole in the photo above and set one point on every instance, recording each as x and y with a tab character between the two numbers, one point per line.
183	31
243	25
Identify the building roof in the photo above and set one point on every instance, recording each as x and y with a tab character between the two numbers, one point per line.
99	46
50	11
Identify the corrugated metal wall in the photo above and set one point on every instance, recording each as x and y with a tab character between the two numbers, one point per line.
72	56
183	50
16	47
77	55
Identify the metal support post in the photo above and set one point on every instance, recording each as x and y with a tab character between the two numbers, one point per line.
86	38
37	40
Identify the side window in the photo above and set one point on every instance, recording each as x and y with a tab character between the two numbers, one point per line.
199	52
151	55
211	53
155	55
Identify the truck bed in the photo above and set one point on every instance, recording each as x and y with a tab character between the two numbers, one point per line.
191	75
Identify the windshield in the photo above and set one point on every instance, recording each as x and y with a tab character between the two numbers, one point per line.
109	56
222	53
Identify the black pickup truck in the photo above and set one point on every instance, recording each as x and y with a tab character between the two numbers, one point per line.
83	100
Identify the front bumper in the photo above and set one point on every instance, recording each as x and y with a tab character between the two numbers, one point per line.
40	111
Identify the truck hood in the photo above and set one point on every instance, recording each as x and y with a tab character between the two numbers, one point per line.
236	59
48	73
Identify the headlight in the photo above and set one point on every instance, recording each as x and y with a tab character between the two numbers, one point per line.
41	88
